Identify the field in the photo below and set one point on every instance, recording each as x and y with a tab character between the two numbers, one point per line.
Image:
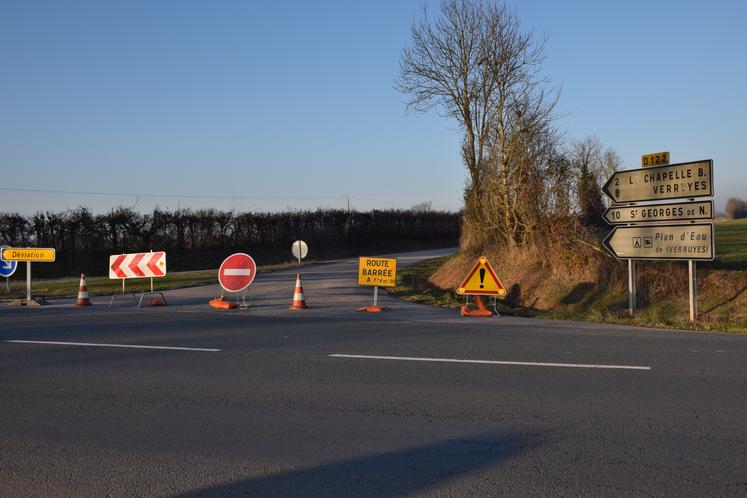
731	244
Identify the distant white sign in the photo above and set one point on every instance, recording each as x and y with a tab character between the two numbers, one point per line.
299	250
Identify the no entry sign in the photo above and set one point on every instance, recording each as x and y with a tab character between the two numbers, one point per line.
236	272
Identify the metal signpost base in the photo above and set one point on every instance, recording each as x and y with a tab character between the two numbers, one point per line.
692	279
28	281
631	287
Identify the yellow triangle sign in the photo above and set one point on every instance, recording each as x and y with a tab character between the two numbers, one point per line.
482	281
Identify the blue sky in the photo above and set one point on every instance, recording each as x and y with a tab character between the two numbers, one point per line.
291	104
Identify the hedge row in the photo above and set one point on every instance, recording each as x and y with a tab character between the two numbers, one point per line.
200	239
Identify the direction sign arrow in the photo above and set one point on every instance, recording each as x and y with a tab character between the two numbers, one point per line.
674	181
673	211
694	242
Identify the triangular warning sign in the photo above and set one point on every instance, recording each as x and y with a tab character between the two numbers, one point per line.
482	280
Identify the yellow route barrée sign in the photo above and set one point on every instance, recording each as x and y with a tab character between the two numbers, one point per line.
377	271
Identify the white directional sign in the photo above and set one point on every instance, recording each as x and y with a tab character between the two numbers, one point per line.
299	249
687	241
674	181
673	211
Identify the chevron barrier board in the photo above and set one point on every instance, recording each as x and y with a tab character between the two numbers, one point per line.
137	265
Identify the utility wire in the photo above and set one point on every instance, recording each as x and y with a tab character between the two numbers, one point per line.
207	196
174	196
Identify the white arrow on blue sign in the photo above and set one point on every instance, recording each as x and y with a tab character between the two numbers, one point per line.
7	268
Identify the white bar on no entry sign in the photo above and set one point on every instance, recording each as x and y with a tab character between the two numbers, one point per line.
133	346
492	362
237	272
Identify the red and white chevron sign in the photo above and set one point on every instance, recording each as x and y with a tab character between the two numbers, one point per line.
137	265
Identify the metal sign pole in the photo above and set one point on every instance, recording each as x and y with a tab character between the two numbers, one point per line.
7	284
151	278
631	286
376	295
28	281
299	251
693	290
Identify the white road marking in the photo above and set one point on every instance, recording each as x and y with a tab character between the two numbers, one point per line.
237	272
492	362
133	346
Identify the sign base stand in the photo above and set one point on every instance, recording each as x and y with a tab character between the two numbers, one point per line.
375	308
481	310
220	303
153	302
36	301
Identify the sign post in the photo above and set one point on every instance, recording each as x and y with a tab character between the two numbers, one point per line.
29	255
631	287
693	287
643	236
375	272
139	265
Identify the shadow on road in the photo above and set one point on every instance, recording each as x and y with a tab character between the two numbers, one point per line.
398	473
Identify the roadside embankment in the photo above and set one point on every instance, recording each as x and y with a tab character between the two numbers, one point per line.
589	285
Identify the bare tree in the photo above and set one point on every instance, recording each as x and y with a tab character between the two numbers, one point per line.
475	64
422	207
736	208
610	162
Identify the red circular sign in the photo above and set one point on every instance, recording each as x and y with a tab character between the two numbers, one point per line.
236	272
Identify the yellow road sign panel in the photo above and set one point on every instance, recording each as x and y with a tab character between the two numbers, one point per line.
37	254
377	271
482	280
655	159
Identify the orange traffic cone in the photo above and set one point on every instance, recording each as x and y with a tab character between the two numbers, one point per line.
481	310
299	302
83	299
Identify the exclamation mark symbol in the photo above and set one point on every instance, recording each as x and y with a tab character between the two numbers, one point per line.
482	277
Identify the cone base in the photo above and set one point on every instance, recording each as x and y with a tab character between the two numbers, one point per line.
80	302
465	311
371	309
481	310
295	306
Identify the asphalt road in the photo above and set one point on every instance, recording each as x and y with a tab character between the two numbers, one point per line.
260	407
